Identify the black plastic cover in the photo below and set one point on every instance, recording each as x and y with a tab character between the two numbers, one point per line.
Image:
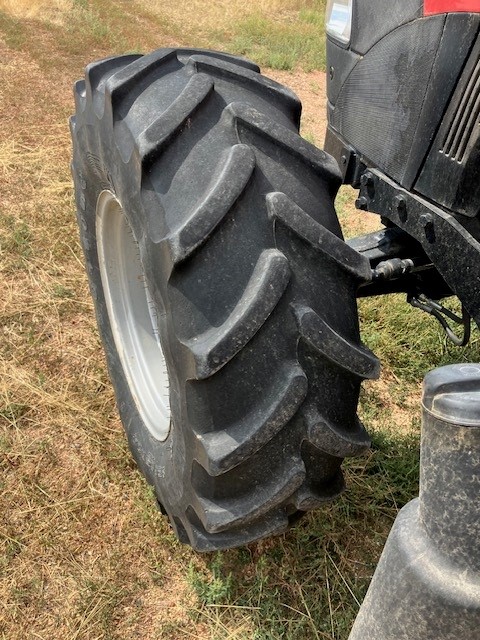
373	19
456	43
390	109
340	62
379	106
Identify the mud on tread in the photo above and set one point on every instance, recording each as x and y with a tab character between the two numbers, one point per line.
243	255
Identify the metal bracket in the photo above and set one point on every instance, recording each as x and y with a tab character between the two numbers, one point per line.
445	239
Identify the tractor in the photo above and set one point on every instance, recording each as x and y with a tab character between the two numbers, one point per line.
225	293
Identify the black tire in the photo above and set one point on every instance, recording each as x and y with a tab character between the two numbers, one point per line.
251	281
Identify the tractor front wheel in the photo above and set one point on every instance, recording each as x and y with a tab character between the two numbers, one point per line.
224	292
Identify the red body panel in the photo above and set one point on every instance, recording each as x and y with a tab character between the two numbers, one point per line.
450	6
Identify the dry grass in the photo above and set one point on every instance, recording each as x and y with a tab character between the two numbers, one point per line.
39	9
223	14
78	555
84	553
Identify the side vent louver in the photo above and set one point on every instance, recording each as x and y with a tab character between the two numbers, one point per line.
466	120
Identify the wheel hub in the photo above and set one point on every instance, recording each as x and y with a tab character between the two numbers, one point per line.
132	315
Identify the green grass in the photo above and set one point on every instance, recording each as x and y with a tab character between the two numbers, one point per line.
410	341
96	30
282	45
12	30
15	242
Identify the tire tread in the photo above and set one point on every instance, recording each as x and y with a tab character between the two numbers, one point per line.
215	347
220	451
234	175
154	139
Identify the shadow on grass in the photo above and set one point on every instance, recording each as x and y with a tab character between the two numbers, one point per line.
310	582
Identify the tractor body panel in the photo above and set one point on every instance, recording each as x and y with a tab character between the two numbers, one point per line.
392	98
404	126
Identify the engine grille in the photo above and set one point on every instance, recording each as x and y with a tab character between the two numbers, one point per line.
466	121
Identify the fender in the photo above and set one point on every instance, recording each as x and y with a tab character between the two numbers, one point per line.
432	7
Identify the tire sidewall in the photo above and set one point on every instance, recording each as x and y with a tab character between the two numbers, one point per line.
162	462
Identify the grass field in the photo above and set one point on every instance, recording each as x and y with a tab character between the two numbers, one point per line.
85	555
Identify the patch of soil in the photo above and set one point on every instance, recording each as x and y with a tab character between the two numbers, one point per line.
311	88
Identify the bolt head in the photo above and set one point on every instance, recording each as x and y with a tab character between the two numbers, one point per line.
426	219
366	179
361	203
400	204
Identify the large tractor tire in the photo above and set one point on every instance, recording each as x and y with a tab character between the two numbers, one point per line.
224	292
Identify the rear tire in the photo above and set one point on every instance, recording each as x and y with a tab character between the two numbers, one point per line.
191	178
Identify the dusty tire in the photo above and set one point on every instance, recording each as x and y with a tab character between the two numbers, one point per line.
252	286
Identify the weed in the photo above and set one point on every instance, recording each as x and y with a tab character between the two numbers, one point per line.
15	239
61	291
13	412
309	137
13	548
213	588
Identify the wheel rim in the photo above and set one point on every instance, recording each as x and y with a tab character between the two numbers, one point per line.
132	315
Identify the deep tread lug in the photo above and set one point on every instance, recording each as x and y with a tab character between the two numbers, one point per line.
185	54
219	516
335	441
220	451
234	176
272	525
124	80
152	142
80	93
306	498
244	118
356	360
95	77
259	84
290	215
213	349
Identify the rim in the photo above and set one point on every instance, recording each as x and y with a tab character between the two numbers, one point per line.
132	315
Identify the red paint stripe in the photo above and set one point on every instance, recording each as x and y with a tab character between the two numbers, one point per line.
450	6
